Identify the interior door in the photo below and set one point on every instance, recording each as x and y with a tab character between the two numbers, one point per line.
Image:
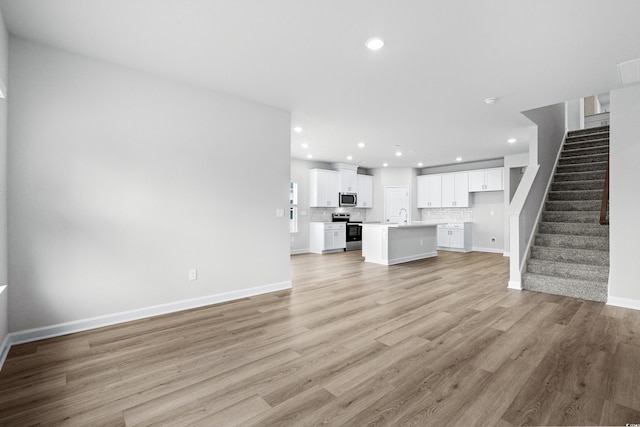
395	200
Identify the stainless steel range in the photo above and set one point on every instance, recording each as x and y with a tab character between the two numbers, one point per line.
354	231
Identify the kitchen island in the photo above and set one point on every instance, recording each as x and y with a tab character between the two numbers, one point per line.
389	244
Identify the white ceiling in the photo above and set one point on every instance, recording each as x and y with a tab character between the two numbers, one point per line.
423	91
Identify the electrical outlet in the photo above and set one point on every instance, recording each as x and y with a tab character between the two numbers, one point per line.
193	274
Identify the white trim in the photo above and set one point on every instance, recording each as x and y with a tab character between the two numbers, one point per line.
51	331
507	254
491	250
514	285
624	302
300	251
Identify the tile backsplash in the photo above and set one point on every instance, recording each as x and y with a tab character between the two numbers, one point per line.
447	214
324	214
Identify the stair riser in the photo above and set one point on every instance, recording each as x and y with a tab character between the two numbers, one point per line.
585	151
582	167
578	185
575	195
578	257
591	293
573	242
574	205
579	271
571	217
583	142
579	176
583	159
574	229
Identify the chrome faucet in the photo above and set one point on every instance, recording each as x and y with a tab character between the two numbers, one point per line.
406	214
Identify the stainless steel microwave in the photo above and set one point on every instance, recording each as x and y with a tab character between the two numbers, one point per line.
348	199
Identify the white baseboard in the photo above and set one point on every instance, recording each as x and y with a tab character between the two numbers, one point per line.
507	254
299	251
514	285
492	250
44	332
624	302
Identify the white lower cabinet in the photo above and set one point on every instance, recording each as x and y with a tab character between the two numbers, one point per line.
327	237
455	237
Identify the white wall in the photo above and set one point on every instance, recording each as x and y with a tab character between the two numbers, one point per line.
624	233
120	182
4	63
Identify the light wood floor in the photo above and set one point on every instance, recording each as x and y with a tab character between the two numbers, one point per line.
433	342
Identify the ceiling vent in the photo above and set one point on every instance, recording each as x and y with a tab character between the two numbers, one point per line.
629	72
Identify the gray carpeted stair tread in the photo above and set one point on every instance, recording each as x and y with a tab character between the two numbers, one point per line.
600	157
585	217
587	143
588	131
582	167
579	176
574	228
572	241
598	273
585	151
573	205
577	256
585	184
575	288
575	195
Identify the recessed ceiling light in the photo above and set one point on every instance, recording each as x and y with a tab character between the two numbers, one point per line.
490	101
458	159
374	43
385	164
304	145
398	153
297	129
361	144
349	157
309	156
420	164
511	140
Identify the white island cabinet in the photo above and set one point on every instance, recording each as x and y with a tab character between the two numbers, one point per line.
389	244
326	237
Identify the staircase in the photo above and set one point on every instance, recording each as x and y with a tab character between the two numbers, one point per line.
570	255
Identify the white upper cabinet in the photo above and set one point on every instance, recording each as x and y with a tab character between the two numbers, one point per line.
429	191
455	190
323	188
348	177
364	188
486	180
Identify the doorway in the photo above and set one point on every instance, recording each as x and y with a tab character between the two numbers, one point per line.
396	205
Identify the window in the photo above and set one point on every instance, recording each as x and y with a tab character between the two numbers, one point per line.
293	208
